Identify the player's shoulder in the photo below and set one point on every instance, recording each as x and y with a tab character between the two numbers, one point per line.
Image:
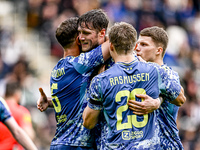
147	66
168	68
152	64
172	73
64	62
104	75
67	59
101	75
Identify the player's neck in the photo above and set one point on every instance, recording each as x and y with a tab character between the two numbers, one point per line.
72	51
159	61
124	58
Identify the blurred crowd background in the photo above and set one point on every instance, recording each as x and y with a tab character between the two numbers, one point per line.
29	50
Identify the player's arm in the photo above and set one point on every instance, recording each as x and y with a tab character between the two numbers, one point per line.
20	135
180	100
43	102
105	50
175	81
92	111
170	87
90	117
88	61
148	104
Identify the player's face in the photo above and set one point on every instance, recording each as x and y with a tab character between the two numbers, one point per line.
146	48
89	38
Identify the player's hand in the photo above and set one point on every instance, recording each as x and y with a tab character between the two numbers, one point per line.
42	103
147	106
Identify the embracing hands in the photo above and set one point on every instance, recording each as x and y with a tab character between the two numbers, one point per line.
148	104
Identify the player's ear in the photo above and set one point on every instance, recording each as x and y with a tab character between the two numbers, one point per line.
111	47
78	41
102	33
159	50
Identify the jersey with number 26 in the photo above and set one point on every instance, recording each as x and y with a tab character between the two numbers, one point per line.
111	91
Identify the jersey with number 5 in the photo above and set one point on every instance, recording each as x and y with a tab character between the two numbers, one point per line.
69	80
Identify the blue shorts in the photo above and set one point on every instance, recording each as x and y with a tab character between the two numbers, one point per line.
67	147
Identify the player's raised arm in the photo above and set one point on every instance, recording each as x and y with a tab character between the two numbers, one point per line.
105	50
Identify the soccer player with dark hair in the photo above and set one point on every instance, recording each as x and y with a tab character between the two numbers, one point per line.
92	27
69	80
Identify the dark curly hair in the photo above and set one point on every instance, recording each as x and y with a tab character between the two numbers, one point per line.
67	32
96	19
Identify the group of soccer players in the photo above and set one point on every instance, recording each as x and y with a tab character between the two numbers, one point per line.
137	111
